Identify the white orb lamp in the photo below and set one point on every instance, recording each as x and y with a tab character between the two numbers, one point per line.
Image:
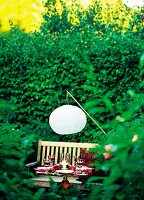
67	119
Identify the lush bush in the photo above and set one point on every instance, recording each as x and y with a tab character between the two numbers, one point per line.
15	146
125	180
38	69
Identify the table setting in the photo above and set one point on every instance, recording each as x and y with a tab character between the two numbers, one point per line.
64	168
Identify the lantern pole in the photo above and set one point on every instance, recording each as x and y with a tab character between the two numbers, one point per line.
86	112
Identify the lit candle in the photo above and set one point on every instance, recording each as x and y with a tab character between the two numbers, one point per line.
64	164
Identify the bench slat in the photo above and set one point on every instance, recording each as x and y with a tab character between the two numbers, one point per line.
65	150
61	150
43	154
78	152
52	151
48	152
56	155
69	151
73	155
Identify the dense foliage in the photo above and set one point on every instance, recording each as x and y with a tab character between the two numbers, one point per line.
102	65
126	165
39	68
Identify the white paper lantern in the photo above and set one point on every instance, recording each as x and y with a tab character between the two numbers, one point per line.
67	119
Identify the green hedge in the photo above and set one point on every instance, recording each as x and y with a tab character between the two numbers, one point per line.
37	69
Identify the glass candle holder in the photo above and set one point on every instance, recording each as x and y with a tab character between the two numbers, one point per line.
80	163
46	162
51	158
68	159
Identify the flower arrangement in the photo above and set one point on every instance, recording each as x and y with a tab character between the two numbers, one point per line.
88	157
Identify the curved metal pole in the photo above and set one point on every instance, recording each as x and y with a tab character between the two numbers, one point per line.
86	113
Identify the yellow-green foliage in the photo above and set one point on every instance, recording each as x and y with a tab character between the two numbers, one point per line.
106	12
27	15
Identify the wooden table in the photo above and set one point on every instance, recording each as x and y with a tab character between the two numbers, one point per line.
44	180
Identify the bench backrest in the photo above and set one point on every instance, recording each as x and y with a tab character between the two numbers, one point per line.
46	148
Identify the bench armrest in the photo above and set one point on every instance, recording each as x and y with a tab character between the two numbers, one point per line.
32	164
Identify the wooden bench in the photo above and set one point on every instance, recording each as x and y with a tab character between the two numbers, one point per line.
46	148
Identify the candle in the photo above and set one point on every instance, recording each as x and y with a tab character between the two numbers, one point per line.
64	164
